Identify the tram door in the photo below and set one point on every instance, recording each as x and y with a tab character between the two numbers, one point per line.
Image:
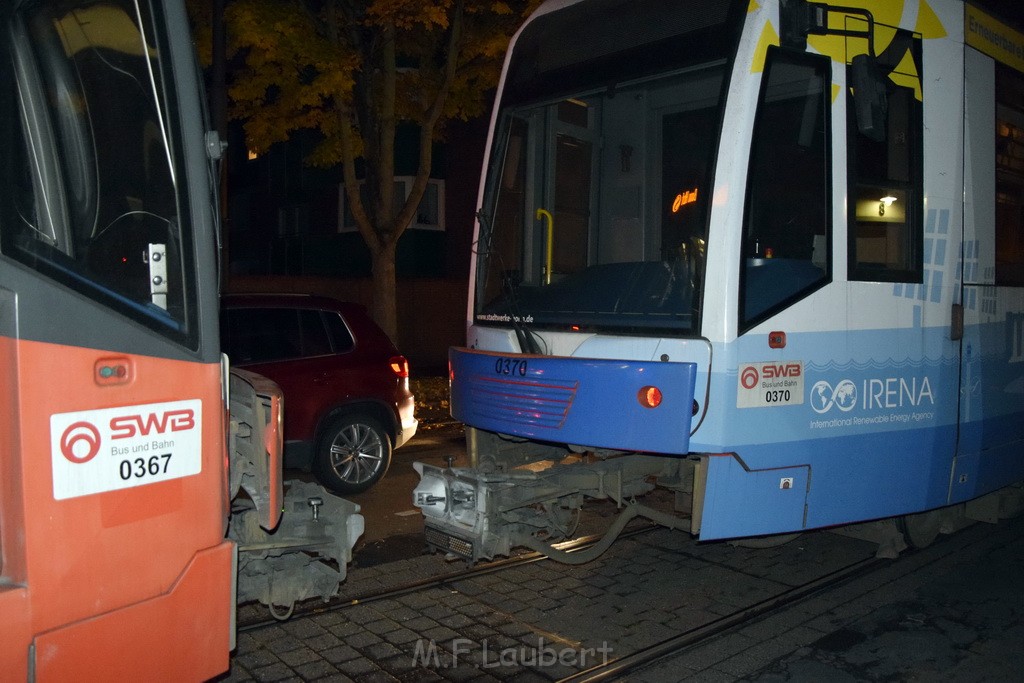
112	465
992	350
566	192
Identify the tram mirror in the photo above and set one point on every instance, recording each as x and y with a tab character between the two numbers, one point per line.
798	19
869	97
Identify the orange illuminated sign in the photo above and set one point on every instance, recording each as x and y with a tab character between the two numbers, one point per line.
683	198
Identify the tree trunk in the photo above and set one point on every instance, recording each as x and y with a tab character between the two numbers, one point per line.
385	291
372	113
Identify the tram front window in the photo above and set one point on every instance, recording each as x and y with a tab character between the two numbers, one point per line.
599	206
93	158
596	200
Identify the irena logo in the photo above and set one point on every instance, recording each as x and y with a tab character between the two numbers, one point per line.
80	442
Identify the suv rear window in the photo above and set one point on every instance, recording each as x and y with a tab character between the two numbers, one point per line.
262	335
341	337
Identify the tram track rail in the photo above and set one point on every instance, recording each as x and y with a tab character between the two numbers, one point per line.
784	600
529	557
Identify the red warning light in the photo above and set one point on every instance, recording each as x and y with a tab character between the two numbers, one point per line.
777	340
108	371
649	397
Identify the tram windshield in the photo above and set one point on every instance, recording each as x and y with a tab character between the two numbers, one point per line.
94	158
598	192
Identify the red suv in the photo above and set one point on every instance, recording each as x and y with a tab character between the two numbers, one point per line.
347	401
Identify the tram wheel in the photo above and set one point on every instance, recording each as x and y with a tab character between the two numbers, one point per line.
920	530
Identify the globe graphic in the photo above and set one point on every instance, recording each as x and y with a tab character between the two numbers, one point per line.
846	395
821	396
842	396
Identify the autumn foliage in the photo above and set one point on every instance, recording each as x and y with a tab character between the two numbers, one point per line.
353	70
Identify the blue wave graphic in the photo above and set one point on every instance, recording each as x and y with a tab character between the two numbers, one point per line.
888	364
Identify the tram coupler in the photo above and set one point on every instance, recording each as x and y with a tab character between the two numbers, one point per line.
306	556
477	515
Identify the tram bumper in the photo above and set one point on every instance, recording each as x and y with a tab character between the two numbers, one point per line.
592	403
530	410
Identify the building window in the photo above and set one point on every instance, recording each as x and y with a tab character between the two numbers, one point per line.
429	214
1009	177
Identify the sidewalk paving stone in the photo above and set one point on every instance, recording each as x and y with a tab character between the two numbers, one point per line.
643	592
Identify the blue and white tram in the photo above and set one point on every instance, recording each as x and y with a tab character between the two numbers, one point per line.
768	254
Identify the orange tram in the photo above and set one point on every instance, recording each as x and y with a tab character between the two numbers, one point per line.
124	437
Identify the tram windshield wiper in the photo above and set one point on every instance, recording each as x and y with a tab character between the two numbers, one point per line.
528	340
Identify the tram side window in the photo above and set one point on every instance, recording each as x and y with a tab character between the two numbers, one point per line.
1009	177
885	178
92	159
786	252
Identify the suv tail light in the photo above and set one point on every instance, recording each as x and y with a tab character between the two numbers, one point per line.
399	366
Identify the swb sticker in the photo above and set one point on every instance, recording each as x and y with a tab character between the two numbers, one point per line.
765	385
93	451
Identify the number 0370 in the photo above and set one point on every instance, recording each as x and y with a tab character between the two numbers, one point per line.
507	366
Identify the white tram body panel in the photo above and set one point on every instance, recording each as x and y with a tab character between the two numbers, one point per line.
834	193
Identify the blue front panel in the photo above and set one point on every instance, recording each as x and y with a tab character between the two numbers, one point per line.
582	401
835	480
734	492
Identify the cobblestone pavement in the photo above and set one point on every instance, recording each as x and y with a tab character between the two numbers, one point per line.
950	612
